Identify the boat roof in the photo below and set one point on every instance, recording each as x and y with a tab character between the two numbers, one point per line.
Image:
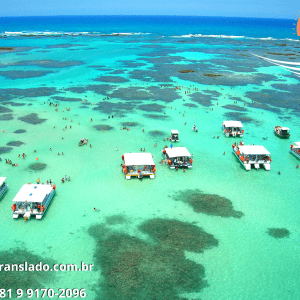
32	193
174	131
233	124
297	144
137	159
285	128
2	179
177	151
254	149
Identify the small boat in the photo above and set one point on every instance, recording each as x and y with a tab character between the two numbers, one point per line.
195	128
32	200
174	136
138	165
252	155
3	186
83	142
295	149
282	132
233	128
178	157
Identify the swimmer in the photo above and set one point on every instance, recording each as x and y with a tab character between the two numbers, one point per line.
297	166
90	145
96	209
279	173
116	148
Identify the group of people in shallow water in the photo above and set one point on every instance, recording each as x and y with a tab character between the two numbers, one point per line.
66	179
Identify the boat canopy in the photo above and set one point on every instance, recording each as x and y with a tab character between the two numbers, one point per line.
232	124
297	144
138	159
254	150
2	179
33	193
174	132
285	128
177	152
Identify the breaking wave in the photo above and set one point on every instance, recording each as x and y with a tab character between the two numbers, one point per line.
232	37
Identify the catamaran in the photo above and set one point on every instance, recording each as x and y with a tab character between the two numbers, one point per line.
138	165
32	200
233	128
295	149
178	157
252	155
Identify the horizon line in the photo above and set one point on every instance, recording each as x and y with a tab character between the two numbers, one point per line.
110	15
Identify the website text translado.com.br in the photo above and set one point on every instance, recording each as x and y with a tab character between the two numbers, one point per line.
26	267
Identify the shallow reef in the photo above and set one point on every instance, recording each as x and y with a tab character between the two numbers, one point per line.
157	117
209	204
15	143
24	280
157	133
131	124
37	166
151	107
20	131
103	127
5	149
133	268
32	119
278	233
179	235
6	117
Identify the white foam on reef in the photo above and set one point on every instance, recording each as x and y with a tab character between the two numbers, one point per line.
231	37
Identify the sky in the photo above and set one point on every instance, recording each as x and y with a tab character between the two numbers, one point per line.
286	9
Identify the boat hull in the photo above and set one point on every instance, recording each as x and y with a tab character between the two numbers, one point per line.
286	136
295	153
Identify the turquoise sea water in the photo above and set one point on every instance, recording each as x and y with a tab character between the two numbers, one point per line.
146	241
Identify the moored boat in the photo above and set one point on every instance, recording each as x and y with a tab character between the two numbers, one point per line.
83	142
138	165
233	128
282	132
3	186
32	200
174	136
295	149
178	157
252	155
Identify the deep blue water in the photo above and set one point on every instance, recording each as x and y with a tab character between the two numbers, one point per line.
161	25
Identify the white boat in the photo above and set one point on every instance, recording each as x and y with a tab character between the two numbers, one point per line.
32	200
252	155
295	149
3	186
178	157
83	142
195	128
233	128
282	132
138	165
174	136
